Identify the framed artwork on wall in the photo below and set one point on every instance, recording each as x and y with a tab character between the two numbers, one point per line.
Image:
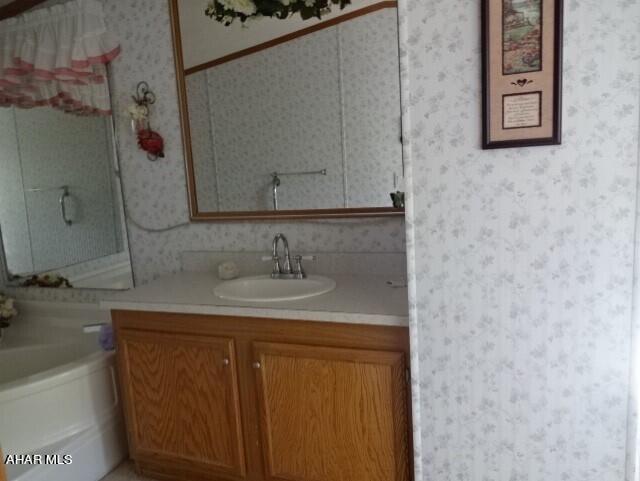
522	73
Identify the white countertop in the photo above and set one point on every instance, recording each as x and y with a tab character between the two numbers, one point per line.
356	300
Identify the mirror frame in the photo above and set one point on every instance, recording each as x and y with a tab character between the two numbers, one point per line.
17	7
194	212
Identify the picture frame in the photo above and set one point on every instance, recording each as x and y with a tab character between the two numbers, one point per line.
522	73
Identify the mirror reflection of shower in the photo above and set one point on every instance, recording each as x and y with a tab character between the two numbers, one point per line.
276	182
60	205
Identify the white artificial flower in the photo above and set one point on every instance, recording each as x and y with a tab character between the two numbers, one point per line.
286	3
7	311
138	112
245	7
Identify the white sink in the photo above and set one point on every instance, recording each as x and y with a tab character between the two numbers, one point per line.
265	289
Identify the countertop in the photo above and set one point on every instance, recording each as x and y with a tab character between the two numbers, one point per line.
355	300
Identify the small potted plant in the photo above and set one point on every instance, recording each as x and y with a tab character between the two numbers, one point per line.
7	312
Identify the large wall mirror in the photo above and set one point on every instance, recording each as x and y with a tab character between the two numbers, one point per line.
61	214
293	118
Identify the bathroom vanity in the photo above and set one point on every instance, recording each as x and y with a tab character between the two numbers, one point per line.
315	389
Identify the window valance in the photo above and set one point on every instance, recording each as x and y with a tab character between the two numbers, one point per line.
57	57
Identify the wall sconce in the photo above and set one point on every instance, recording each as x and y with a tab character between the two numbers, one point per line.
148	140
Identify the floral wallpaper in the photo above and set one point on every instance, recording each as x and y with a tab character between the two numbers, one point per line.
279	110
521	260
202	135
371	112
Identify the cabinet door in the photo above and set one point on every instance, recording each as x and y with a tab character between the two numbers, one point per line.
3	474
330	414
182	401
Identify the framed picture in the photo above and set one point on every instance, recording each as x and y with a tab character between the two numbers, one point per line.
522	73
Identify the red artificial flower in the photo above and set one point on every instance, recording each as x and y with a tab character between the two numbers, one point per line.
151	142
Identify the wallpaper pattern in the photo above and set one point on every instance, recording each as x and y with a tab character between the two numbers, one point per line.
521	260
279	110
371	112
202	140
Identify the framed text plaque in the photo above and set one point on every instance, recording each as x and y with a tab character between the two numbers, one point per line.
522	72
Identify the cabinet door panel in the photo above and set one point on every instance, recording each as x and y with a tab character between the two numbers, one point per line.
182	400
330	414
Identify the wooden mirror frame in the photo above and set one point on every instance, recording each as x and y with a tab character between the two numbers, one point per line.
195	214
17	7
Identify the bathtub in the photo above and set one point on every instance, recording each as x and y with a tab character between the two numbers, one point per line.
60	398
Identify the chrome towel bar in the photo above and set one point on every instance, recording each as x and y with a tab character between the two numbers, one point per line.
63	197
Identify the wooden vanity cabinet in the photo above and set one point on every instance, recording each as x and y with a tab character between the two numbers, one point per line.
222	398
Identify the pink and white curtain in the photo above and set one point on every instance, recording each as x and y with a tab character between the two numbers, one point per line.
57	57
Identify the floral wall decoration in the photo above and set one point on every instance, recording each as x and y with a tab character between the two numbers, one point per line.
227	11
148	140
7	312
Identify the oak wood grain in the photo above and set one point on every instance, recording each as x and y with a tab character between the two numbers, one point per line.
3	473
246	333
183	401
272	330
329	414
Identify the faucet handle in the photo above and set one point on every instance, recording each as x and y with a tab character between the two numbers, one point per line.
277	270
299	270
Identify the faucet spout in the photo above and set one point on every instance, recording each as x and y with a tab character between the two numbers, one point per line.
275	183
286	268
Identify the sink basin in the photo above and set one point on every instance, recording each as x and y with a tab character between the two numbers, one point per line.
265	289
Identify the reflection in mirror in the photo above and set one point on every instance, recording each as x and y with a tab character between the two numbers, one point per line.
310	124
60	201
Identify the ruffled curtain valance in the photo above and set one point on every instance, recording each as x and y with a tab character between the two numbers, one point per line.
57	57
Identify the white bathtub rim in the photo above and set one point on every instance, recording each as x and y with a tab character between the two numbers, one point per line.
55	376
61	314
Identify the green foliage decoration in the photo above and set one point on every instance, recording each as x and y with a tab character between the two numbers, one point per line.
227	11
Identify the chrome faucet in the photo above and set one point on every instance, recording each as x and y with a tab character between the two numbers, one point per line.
275	183
280	271
285	271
